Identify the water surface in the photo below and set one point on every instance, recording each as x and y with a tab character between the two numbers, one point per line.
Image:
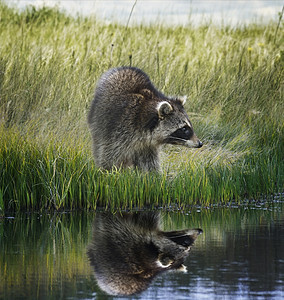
170	12
240	255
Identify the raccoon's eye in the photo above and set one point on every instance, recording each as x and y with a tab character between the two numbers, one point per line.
183	133
185	130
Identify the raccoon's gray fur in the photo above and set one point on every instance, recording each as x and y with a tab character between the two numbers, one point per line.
128	251
130	119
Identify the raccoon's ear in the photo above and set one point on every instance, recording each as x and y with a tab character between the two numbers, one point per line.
164	108
183	99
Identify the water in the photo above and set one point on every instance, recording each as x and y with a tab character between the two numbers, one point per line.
167	12
240	255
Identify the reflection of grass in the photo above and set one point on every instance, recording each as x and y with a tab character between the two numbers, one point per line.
38	253
46	254
49	64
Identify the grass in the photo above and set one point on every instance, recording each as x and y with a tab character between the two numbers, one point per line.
49	65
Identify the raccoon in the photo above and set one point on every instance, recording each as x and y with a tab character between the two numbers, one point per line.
130	119
128	251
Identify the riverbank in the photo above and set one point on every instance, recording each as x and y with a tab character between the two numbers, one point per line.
49	65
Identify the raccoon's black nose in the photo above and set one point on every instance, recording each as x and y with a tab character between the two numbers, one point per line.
200	144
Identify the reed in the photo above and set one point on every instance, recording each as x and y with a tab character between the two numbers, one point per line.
49	64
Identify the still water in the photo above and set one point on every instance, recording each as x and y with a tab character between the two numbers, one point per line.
170	12
239	255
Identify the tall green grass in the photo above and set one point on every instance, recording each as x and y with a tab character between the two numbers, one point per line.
49	65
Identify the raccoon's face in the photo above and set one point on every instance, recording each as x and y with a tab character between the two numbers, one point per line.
174	125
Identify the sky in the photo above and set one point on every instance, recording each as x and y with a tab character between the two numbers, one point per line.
167	11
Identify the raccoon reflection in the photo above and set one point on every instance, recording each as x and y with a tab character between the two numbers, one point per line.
127	251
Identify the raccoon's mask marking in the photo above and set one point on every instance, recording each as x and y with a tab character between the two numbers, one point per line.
185	237
184	133
184	136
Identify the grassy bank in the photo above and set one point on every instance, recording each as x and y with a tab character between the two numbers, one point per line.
49	64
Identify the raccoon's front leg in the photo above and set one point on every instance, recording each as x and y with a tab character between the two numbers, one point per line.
147	160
